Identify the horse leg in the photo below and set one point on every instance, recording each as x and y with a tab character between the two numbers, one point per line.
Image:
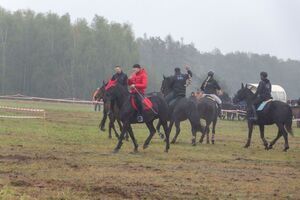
250	130
177	125
285	136
167	133
120	128
152	132
109	130
194	132
275	140
214	131
203	134
262	136
170	128
130	132
207	135
125	128
158	129
112	126
102	123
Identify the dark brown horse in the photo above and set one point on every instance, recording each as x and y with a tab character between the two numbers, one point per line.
111	114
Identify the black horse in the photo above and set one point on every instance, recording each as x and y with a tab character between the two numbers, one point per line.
182	109
112	114
276	112
128	114
208	110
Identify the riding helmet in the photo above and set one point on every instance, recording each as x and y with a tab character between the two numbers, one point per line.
177	70
264	74
210	73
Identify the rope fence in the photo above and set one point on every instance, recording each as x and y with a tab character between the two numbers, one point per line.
32	110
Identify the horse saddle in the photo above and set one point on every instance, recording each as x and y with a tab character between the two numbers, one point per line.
147	103
211	98
262	106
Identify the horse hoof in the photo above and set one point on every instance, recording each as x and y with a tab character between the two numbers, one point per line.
285	149
200	141
246	146
145	146
166	151
194	144
109	137
213	142
161	136
102	129
173	142
116	150
207	142
270	147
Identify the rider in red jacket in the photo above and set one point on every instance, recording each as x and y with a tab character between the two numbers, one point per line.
138	83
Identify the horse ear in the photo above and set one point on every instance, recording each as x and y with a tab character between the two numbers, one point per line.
164	77
103	82
242	85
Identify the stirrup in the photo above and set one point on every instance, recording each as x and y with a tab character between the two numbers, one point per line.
140	118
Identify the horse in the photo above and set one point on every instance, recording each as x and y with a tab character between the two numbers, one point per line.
128	114
276	112
208	110
113	115
182	109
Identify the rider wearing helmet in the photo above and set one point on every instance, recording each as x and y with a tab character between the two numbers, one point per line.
263	93
178	85
138	83
211	87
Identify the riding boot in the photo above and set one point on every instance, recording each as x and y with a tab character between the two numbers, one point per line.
139	105
219	110
253	115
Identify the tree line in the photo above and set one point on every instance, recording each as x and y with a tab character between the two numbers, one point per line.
46	55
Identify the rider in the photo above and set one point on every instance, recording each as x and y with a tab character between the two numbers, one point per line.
178	84
211	87
263	93
138	82
120	76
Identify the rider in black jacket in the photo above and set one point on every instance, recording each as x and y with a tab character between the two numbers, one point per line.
178	85
263	93
210	87
120	76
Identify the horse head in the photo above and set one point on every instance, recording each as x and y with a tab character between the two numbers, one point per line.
166	85
243	94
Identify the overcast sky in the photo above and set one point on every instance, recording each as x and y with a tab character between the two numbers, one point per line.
259	26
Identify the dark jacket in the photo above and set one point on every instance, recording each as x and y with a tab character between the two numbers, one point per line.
122	78
263	92
210	86
178	83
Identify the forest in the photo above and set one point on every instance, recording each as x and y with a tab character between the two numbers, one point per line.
48	55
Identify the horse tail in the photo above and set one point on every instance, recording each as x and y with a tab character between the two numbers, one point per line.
289	123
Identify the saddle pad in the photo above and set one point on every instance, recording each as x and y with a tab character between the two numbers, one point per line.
147	104
263	105
210	97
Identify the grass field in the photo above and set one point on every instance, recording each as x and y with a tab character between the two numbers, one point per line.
66	157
